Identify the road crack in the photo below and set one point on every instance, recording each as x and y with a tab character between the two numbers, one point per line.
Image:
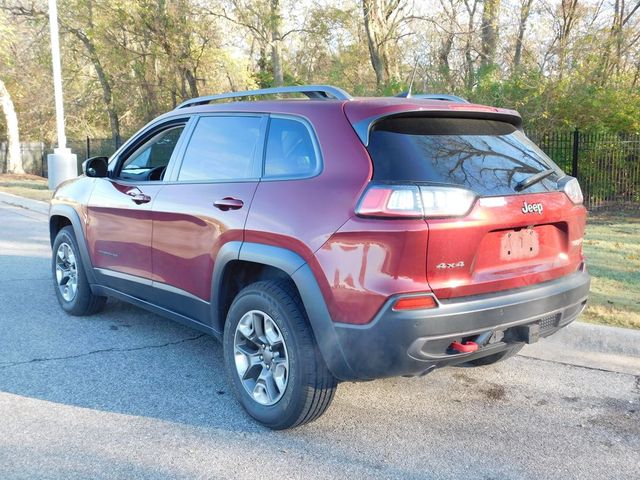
567	364
103	350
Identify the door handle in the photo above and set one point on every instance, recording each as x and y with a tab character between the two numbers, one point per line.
137	196
228	203
140	198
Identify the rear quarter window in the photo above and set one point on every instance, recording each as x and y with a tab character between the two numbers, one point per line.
487	156
290	151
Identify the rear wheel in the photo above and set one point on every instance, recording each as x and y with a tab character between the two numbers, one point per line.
70	281
272	361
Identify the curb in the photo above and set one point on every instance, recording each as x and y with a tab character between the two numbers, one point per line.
18	201
598	338
586	345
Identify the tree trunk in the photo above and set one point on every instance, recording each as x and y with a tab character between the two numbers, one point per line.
276	43
374	52
489	32
105	83
443	59
568	10
14	160
378	25
525	10
468	57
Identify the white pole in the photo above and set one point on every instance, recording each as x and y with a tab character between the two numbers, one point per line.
61	164
57	73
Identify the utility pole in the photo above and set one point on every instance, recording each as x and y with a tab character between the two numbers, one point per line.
61	164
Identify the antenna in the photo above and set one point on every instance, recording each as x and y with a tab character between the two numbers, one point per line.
413	77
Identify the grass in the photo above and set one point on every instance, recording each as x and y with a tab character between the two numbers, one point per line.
612	249
30	186
611	245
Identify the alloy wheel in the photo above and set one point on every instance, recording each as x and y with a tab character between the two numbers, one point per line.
66	272
261	357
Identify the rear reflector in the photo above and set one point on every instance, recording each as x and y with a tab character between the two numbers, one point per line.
415	303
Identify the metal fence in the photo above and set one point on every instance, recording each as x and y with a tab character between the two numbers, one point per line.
607	164
34	154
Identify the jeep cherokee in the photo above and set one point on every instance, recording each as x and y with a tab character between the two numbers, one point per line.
329	238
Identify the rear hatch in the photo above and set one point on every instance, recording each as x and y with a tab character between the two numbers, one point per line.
510	224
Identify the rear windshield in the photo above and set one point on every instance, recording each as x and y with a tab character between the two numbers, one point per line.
487	156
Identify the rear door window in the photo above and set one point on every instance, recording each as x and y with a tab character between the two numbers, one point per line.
221	148
487	156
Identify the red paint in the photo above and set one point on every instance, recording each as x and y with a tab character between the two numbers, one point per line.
476	240
188	231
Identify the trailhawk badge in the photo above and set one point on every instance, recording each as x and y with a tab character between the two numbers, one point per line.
532	208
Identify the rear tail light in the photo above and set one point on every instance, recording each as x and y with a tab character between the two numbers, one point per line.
446	201
411	201
391	201
572	188
415	303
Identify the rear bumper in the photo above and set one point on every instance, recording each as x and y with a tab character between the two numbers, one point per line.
415	342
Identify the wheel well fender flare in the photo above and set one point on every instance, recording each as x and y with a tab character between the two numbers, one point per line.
71	214
301	274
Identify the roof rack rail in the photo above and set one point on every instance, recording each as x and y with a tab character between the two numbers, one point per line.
435	96
316	92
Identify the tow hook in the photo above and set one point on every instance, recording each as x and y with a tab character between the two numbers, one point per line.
471	346
466	347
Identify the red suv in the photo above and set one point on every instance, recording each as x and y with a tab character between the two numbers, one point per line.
328	239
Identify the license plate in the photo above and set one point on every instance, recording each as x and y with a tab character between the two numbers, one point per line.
519	244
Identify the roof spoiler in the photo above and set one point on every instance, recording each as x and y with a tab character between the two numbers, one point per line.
363	127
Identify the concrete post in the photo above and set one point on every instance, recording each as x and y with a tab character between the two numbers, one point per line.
61	164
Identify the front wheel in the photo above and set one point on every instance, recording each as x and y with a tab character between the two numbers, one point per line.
273	363
70	281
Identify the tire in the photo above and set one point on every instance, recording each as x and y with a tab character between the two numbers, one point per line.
299	393
67	268
495	358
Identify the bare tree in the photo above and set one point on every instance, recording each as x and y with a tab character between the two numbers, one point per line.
621	17
472	7
263	20
525	11
84	35
276	42
14	160
489	32
568	18
448	36
382	19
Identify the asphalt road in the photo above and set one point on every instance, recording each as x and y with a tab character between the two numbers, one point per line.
127	394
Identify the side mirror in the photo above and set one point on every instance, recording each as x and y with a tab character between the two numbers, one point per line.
96	167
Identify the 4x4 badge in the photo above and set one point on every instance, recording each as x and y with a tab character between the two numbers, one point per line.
442	266
532	207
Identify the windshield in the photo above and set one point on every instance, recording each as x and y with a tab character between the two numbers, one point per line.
487	156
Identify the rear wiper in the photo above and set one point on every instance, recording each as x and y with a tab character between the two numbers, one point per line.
533	179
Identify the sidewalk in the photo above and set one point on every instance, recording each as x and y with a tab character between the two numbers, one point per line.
17	201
